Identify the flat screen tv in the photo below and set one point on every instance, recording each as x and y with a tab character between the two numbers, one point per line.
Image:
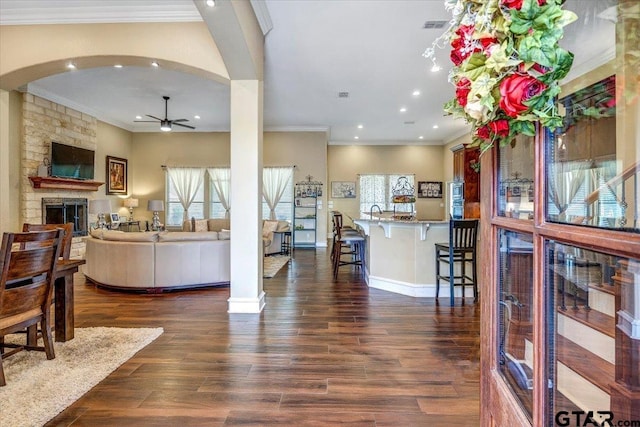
71	162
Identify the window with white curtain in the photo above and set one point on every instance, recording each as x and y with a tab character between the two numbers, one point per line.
174	210
376	189
219	181
207	204
284	208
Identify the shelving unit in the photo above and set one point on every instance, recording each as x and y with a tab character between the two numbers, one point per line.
305	211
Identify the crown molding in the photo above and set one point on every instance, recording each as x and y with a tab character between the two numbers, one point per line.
34	89
262	14
296	129
386	142
18	12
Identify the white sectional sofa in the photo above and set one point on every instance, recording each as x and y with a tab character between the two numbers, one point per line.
271	230
157	261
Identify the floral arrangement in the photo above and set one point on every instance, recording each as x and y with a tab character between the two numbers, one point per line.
507	64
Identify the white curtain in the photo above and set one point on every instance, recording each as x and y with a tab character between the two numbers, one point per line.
274	184
566	182
221	182
187	182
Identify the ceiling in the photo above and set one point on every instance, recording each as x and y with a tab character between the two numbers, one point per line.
316	49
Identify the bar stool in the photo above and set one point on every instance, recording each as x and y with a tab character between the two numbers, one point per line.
346	242
336	221
458	252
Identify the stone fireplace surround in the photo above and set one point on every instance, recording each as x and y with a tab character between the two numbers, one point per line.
43	122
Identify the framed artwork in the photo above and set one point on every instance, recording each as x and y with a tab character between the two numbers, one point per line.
115	217
343	189
116	175
430	189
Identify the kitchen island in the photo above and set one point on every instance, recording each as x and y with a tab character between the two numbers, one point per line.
401	255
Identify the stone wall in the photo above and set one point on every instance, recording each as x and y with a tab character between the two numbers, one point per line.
43	122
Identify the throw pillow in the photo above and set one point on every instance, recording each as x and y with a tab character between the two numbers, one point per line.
201	225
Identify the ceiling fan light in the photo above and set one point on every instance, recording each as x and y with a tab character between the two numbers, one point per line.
165	126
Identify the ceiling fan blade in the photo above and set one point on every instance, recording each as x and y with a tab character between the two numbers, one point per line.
153	117
145	121
184	126
180	120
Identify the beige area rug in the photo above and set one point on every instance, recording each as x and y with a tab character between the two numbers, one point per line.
39	389
273	264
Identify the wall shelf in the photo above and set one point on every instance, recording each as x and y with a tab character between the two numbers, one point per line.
64	183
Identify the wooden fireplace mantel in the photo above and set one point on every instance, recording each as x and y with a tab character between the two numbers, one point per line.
64	183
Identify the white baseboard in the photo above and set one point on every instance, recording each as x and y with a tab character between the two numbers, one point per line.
246	305
418	290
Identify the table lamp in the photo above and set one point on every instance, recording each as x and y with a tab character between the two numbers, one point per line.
155	206
130	203
100	207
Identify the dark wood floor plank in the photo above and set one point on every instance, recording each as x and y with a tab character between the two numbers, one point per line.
322	352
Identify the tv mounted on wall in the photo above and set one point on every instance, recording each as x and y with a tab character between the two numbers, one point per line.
71	162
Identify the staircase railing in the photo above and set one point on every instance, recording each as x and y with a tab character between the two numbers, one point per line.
631	175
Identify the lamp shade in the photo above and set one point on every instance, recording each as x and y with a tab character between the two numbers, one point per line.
130	203
99	206
155	206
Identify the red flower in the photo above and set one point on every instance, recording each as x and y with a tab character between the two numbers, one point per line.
456	57
483	132
515	90
500	127
517	4
463	87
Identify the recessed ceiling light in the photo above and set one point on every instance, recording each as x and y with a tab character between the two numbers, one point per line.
138	117
155	64
416	93
435	68
403	110
211	3
356	137
435	126
71	66
421	137
197	117
117	66
360	126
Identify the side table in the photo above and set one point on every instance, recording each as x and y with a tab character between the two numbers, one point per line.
285	242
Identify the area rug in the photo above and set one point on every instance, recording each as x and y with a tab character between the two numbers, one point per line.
273	264
39	389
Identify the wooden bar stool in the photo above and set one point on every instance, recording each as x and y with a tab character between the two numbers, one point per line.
458	252
346	243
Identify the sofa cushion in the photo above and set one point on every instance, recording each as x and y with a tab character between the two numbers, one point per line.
268	227
224	234
217	224
181	236
134	236
283	226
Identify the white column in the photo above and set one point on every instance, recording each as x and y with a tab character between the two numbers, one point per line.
247	295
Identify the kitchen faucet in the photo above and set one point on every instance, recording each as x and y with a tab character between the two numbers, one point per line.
371	210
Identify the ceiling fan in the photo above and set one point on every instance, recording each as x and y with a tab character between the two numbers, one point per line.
165	124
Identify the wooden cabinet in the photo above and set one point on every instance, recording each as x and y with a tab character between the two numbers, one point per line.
465	161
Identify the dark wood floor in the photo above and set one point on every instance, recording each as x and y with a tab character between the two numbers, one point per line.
321	353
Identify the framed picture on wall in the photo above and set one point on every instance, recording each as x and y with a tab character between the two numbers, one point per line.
116	175
343	189
430	189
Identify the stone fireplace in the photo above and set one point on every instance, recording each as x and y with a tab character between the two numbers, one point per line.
63	210
45	121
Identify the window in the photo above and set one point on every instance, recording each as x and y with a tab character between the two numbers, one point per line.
207	203
377	190
284	209
174	213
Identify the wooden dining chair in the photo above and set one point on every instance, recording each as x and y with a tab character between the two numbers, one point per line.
27	274
65	252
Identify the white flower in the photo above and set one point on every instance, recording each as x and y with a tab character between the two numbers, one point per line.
476	110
